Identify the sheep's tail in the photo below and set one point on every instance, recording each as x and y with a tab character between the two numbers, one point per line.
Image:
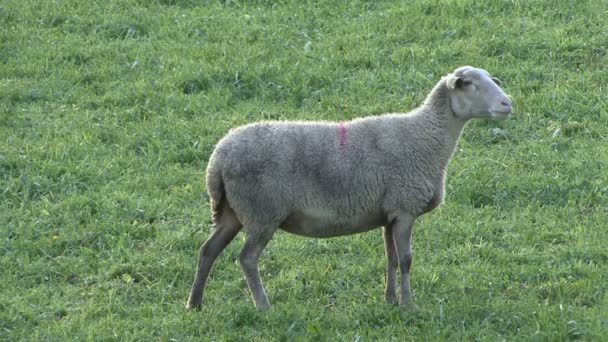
215	188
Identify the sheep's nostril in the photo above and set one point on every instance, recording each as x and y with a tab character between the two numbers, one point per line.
505	103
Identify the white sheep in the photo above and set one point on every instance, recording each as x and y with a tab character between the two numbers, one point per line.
323	180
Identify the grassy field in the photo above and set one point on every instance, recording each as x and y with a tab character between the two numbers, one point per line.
109	111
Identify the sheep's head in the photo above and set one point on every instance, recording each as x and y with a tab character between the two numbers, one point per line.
474	93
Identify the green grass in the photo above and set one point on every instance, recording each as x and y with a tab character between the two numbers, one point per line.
109	111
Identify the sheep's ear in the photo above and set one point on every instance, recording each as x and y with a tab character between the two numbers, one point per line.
456	82
497	81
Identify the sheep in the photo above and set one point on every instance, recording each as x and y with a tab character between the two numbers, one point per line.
321	179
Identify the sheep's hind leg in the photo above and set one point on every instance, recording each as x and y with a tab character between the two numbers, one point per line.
390	294
402	232
257	240
222	235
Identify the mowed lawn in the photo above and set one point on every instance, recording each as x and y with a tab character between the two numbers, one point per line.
109	111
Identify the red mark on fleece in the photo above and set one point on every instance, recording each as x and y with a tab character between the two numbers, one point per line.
342	132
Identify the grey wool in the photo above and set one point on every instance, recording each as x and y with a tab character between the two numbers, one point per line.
324	179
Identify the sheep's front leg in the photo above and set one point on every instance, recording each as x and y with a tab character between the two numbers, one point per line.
250	254
402	232
390	294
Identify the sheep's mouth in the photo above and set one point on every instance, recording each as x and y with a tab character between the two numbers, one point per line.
500	115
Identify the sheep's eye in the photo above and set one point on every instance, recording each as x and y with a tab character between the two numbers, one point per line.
461	82
497	81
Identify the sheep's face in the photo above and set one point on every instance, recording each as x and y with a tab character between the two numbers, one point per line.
474	93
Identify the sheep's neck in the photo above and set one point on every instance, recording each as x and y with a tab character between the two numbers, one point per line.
443	118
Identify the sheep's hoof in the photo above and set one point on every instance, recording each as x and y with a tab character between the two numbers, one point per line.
263	307
391	299
407	301
191	305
